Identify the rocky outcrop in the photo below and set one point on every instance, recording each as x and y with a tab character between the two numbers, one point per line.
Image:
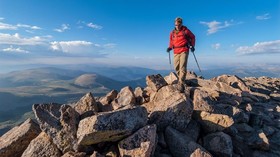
111	126
170	107
223	116
42	145
182	145
59	122
142	143
86	106
15	141
124	98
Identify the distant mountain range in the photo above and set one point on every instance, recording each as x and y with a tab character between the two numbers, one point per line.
20	89
55	82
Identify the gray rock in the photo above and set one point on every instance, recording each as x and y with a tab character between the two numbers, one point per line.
74	154
15	141
238	115
86	106
211	122
111	126
140	96
202	100
170	107
107	100
155	82
125	97
193	130
181	145
257	153
96	154
240	147
140	144
219	144
171	78
59	122
232	80
42	146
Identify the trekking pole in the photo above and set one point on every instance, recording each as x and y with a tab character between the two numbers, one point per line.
170	62
170	65
196	61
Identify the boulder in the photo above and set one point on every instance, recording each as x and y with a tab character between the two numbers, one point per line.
211	122
193	130
59	122
170	107
219	144
140	96
107	100
171	78
42	146
15	141
155	82
140	144
233	81
74	154
125	97
202	100
111	126
86	106
182	145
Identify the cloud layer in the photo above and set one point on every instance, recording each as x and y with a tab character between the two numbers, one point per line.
62	28
17	39
11	49
18	42
263	17
215	26
260	48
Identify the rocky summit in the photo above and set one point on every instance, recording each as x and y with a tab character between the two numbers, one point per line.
225	116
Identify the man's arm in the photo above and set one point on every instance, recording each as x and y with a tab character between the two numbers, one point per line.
170	47
192	37
170	41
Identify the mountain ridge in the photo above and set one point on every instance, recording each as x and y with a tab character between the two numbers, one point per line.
222	116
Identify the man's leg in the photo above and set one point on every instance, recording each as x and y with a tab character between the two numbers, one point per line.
177	64
183	66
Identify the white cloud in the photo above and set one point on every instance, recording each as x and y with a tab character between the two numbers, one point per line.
5	26
63	28
16	39
263	17
94	26
17	50
81	48
28	26
216	46
72	46
215	26
110	45
2	18
260	48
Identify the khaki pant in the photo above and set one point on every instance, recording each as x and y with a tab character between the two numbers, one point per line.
180	64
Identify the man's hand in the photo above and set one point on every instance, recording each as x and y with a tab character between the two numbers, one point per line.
168	49
192	48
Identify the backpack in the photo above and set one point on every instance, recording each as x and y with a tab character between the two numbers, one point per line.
186	37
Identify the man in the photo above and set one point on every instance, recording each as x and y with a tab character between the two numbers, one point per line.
181	40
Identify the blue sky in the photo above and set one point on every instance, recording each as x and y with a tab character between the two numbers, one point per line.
127	32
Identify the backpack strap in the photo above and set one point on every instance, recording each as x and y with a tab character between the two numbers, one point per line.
186	37
189	43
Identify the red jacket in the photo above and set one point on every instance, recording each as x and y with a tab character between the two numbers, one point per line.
178	41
